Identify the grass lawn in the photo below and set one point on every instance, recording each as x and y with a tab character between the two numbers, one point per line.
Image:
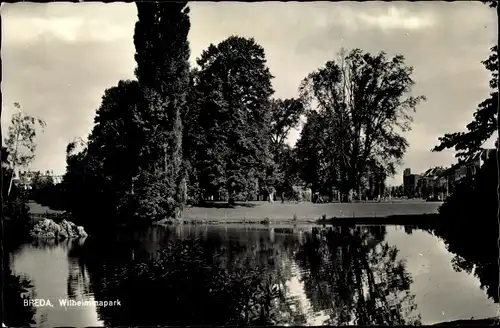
256	212
36	208
305	212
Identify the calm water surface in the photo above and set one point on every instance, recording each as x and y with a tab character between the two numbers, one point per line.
325	271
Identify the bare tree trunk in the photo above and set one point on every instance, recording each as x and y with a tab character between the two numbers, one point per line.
10	183
13	164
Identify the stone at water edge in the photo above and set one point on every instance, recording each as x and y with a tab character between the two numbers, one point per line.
81	232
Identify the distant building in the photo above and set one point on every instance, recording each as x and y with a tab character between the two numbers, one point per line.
25	179
438	181
431	183
410	183
471	165
434	183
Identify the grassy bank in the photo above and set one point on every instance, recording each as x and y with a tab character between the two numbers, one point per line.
307	213
422	220
400	212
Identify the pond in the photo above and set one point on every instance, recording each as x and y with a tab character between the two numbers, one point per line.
323	275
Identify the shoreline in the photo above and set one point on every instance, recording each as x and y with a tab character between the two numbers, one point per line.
292	214
409	219
472	322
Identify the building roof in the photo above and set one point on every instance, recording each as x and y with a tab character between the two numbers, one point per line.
435	172
474	158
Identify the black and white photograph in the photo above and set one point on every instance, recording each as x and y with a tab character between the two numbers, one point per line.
174	163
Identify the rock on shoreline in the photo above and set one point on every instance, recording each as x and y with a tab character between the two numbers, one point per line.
47	228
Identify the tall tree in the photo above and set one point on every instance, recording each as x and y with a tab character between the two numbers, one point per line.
105	169
116	140
235	89
162	56
365	97
20	141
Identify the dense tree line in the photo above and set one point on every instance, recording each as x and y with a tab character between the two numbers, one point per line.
182	134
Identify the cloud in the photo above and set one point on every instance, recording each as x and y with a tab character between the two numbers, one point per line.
397	19
32	22
357	17
67	29
57	62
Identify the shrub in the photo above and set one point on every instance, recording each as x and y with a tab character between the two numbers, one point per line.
18	217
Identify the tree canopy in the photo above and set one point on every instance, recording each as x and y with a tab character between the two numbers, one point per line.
234	88
162	55
20	141
484	124
132	161
364	100
214	130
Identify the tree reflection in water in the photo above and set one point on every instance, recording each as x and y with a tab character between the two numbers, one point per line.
355	277
186	285
243	279
17	289
469	227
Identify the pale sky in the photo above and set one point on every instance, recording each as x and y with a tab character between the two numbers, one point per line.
58	58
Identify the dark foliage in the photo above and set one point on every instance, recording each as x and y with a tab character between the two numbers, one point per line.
187	279
17	220
365	281
162	56
130	169
17	289
234	90
360	100
474	242
484	123
46	193
470	215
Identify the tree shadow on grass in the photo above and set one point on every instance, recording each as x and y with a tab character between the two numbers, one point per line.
423	221
211	204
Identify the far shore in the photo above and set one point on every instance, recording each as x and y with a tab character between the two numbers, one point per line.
399	212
